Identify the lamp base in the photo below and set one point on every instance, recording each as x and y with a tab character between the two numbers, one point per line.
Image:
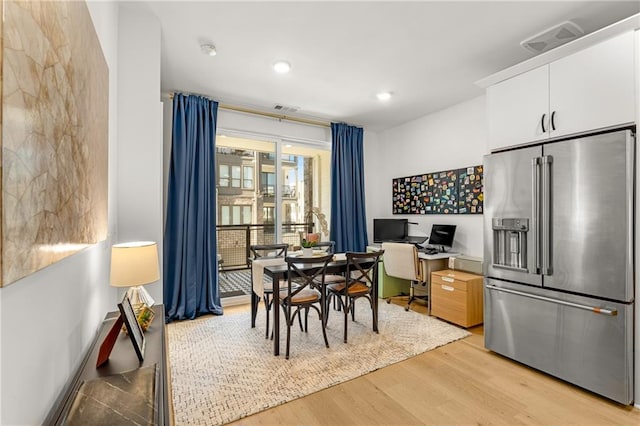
138	296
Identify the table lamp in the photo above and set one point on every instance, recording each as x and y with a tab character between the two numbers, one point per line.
133	265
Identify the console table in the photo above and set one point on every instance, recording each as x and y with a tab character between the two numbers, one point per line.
122	359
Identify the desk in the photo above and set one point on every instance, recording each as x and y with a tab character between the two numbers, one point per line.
280	272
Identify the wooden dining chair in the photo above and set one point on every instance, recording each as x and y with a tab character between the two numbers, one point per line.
268	251
360	279
304	291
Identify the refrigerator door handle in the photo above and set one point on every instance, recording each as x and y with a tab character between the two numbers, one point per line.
547	267
535	214
595	309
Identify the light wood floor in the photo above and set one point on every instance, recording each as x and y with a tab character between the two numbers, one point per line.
460	383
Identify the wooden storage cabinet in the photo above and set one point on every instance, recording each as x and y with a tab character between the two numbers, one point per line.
456	297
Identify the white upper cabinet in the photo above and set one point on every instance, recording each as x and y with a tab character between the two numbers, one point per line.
588	90
593	88
518	107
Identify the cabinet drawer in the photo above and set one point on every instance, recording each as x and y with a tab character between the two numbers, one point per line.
439	281
449	303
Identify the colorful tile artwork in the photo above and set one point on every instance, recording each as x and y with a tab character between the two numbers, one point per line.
448	192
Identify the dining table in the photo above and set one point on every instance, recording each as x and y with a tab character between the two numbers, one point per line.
279	271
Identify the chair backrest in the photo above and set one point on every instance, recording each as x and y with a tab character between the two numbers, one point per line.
306	272
327	246
362	267
401	261
268	250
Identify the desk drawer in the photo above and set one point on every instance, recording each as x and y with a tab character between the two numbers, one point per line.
444	282
449	303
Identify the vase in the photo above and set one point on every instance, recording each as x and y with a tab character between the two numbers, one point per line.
307	251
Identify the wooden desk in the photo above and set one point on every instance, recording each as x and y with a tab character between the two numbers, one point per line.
123	358
457	297
280	272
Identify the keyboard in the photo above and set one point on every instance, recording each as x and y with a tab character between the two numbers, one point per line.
429	250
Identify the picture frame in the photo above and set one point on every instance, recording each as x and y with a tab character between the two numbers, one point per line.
133	327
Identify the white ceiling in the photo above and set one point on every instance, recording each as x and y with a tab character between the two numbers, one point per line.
428	53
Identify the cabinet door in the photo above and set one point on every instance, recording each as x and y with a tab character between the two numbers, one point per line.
516	108
593	88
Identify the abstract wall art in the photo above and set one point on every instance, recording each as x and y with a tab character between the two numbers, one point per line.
55	87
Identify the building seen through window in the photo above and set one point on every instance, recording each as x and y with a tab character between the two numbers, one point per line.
249	182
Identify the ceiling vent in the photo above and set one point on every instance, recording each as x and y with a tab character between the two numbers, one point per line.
282	108
552	37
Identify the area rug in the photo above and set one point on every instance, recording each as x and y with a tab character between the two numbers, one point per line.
223	370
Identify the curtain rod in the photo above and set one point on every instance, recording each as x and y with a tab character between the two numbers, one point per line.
266	114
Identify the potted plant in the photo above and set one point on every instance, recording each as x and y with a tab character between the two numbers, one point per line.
308	243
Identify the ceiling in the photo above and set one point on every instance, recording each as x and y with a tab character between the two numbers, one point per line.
427	53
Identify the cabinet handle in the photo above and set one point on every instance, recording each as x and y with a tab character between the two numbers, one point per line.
553	123
446	287
542	123
447	279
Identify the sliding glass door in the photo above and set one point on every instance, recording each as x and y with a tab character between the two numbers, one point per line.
266	192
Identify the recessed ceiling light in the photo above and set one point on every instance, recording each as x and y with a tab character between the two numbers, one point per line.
383	96
288	145
282	67
208	49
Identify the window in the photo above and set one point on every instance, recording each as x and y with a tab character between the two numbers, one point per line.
235	215
232	180
247	177
235	176
224	175
268	181
268	215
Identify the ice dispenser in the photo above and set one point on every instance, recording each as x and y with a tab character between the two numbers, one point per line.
510	243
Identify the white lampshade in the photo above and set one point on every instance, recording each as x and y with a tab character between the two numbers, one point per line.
135	264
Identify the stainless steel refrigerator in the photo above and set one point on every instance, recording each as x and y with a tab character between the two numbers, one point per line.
559	252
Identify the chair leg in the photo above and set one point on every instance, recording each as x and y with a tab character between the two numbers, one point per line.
374	315
346	309
323	323
306	319
325	314
353	309
288	330
267	308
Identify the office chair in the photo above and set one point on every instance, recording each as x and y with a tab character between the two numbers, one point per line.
401	261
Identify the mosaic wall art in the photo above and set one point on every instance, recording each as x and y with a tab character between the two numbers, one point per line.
456	191
55	87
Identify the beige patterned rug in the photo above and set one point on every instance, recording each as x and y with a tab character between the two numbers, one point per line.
223	370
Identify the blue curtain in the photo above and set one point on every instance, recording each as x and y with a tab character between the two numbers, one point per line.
190	258
348	216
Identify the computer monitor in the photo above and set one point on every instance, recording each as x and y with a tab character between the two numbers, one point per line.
442	236
389	230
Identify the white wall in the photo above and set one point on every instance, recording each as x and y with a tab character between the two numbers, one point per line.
140	201
49	318
449	139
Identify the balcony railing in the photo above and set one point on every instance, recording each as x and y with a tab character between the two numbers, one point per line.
234	240
288	191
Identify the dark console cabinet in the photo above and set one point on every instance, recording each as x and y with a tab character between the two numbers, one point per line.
122	359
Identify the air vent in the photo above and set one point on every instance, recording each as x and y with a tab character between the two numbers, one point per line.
282	108
552	37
